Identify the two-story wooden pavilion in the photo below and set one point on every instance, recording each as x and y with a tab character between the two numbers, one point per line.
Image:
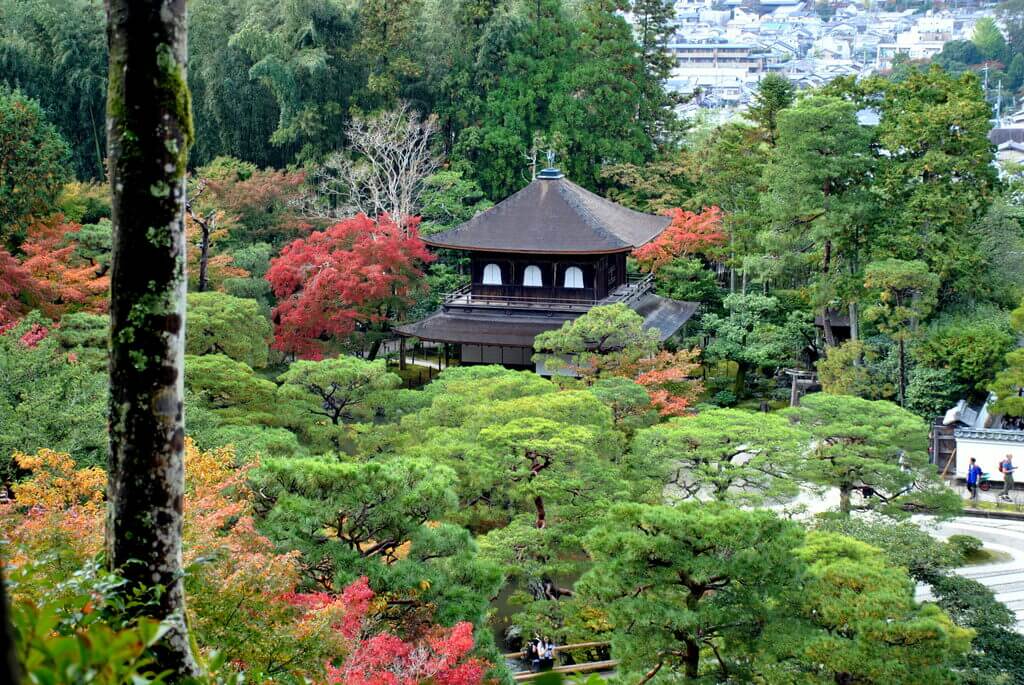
543	256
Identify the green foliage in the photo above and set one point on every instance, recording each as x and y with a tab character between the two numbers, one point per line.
731	167
630	404
853	368
382	520
997	651
523	89
67	412
965	545
817	196
905	294
728	455
85	203
94	242
319	398
1008	383
690	280
55	51
231	389
85	336
223	324
938	178
905	291
679	581
971	346
662	184
35	160
774	94
868	628
601	340
449	199
74	635
861	444
956	55
311	79
989	39
931	392
755	334
904	543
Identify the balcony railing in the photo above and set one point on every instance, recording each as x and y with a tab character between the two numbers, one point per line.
548	299
512	298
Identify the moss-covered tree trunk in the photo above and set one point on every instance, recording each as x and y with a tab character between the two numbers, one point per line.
149	131
9	669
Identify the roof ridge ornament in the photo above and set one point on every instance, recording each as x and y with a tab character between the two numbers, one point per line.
550	172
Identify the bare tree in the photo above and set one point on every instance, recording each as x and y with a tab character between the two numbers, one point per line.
149	128
207	224
389	156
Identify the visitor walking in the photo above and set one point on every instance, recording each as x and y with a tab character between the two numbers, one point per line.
1007	468
548	660
534	653
973	474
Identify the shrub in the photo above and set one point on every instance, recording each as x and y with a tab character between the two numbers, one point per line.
964	546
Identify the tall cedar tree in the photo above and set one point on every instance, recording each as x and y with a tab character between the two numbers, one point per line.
774	94
34	160
653	22
149	126
818	197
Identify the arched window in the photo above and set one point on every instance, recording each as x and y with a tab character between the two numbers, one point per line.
492	274
574	277
532	277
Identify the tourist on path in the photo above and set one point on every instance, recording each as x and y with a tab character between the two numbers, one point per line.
973	474
1007	468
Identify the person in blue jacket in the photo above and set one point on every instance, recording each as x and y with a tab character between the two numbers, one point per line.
973	474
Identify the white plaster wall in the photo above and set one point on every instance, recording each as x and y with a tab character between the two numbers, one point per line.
988	453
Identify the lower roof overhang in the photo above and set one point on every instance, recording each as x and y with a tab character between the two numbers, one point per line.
475	327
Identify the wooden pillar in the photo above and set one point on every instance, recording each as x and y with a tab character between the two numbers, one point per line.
401	353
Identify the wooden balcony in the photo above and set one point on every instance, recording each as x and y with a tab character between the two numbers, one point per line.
546	299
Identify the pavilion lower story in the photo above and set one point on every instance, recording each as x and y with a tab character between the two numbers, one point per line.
505	336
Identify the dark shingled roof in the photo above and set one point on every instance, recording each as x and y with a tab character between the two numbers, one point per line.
480	329
495	328
553	216
997	136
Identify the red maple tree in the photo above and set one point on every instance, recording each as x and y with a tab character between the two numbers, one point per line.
359	274
436	655
18	290
689	233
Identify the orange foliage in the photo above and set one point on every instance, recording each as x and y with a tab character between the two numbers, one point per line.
219	267
67	282
669	378
56	483
689	233
670	381
243	598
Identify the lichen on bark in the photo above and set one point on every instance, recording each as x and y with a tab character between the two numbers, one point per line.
149	127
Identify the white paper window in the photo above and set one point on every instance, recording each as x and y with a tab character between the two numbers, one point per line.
532	277
574	277
492	274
